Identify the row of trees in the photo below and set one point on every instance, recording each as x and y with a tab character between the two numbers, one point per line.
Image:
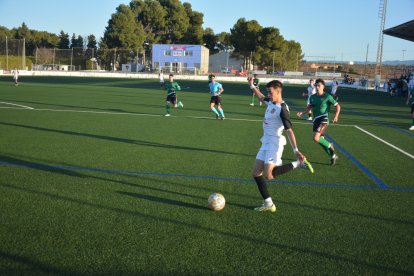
145	22
41	39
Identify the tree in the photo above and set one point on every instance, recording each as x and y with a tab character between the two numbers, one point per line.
63	40
91	42
194	34
244	37
121	33
152	16
177	21
210	40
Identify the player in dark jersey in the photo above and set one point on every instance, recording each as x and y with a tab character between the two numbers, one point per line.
171	86
320	104
268	162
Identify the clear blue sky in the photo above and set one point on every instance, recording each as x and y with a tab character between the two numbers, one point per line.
323	27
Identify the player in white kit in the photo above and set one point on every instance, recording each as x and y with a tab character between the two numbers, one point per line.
268	162
15	74
310	91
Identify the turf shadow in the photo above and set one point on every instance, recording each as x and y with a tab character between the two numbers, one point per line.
126	140
232	235
162	200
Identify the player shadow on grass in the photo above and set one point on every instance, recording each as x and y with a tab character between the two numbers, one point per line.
208	229
34	266
126	140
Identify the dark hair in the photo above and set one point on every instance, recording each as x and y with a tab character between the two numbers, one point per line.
255	75
171	75
274	84
212	76
320	81
310	80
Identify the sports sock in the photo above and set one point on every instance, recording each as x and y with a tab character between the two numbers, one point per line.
252	99
282	169
168	108
261	184
215	111
325	145
309	114
269	201
221	112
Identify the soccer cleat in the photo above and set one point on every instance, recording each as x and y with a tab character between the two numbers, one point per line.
167	115
305	164
252	104
222	117
310	118
180	104
260	103
265	208
331	148
411	128
334	158
217	116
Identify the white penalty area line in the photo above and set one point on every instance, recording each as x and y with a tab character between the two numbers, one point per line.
22	106
385	142
148	115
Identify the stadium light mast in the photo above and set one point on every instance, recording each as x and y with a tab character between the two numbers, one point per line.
381	14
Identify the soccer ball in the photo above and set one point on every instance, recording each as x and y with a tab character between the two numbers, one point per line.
216	202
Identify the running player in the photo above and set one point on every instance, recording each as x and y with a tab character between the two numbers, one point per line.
410	95
215	90
268	162
334	88
171	86
256	83
161	76
321	103
15	74
311	91
210	77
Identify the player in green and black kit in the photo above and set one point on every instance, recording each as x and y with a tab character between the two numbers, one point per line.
256	83
320	104
411	95
171	86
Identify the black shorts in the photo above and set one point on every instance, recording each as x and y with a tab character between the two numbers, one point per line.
172	98
319	123
412	108
216	100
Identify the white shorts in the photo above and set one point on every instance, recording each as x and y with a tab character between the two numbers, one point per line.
271	153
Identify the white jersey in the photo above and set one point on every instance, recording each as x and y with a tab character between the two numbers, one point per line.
311	90
15	74
334	87
276	119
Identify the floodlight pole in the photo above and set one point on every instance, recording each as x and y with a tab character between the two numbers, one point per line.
7	55
71	58
24	54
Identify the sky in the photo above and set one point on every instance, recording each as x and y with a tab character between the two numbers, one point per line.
329	28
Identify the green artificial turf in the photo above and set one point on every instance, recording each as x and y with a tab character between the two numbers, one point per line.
95	180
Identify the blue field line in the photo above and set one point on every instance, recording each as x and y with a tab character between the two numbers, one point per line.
380	122
354	160
72	168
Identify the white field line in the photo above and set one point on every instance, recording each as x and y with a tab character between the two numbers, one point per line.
385	142
23	106
152	115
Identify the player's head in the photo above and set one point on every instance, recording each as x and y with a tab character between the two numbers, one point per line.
274	88
320	85
311	81
213	78
171	77
255	75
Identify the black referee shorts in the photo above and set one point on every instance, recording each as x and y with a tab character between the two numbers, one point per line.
216	100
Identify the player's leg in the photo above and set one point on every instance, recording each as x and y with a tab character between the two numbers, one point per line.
213	109
310	111
261	184
412	116
168	107
175	101
220	109
252	101
319	128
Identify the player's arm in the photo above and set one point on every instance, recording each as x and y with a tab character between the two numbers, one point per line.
287	124
221	90
307	110
177	87
337	111
256	91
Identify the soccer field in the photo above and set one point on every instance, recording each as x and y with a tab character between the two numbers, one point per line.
95	180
